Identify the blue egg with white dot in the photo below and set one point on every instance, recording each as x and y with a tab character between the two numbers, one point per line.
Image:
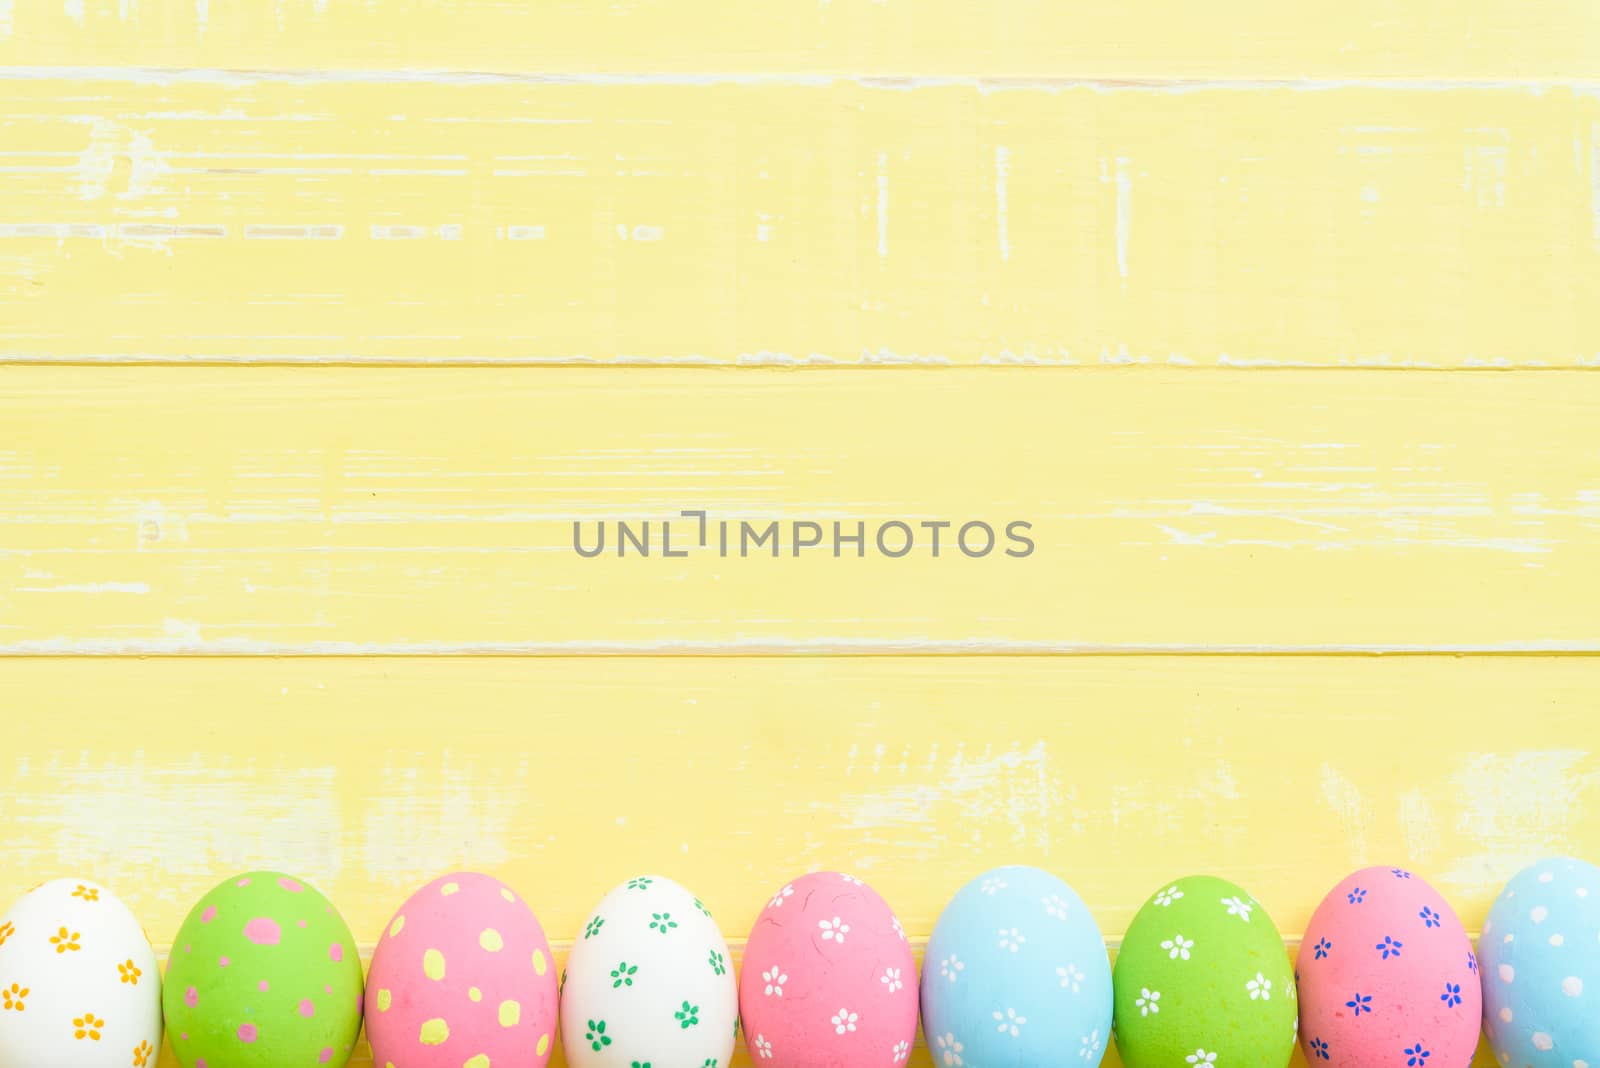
1016	976
1539	960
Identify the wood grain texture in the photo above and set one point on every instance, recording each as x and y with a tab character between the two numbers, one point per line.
346	510
174	217
1140	38
564	776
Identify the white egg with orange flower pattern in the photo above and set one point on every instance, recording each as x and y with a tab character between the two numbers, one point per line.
79	986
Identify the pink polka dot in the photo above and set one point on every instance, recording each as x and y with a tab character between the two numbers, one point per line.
247	1032
263	986
191	997
326	989
302	925
336	952
209	914
242	882
224	962
201	1063
291	885
306	1008
263	931
184	1035
188	949
325	1056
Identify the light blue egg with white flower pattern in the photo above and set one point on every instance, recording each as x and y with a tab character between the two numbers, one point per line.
1539	961
1016	976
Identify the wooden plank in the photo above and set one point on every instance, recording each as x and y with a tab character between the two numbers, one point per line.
335	510
1314	38
180	217
564	776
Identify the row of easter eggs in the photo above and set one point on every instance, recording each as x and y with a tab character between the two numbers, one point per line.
265	974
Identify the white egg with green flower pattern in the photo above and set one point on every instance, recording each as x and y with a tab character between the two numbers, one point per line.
649	983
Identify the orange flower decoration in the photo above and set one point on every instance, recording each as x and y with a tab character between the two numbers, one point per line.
141	1055
87	1026
64	941
87	893
12	998
6	931
130	973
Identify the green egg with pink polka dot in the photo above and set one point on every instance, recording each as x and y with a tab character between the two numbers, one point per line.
264	973
1203	981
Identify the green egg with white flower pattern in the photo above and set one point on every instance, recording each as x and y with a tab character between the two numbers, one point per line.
1203	979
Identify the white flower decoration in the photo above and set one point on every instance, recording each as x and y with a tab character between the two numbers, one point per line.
833	930
891	979
993	886
949	1049
902	1050
1054	906
1260	988
764	1047
1011	938
851	879
845	1021
1177	946
1168	896
901	931
951	967
1010	1022
1089	1047
1070	977
1200	1056
1238	907
774	980
1149	1001
777	899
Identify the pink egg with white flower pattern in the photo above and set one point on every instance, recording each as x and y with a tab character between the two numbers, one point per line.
828	979
462	976
1387	977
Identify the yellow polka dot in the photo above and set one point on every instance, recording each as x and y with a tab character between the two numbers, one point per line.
491	940
507	894
539	963
384	999
396	927
449	888
434	1032
480	1061
544	1045
475	994
510	1013
433	965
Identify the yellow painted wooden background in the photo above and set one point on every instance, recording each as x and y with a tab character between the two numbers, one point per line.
321	322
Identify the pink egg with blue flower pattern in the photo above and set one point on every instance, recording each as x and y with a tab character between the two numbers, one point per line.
462	976
1387	977
828	979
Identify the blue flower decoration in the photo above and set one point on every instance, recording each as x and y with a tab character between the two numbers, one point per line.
1357	896
1429	917
1416	1056
1401	873
1389	947
1451	996
1322	948
1319	1048
1472	961
1362	1003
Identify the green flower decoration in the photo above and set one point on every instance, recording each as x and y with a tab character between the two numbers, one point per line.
711	1062
639	1064
596	1035
622	974
718	963
687	1016
594	927
704	911
641	883
662	921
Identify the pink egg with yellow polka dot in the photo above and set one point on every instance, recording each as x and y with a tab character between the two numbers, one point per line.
828	979
462	977
1387	977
